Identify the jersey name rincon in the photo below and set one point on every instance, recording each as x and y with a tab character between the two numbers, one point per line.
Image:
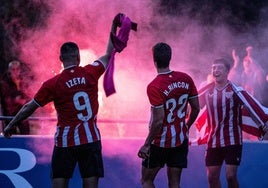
75	81
175	85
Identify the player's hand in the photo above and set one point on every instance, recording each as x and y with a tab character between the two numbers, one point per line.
265	127
117	20
144	152
7	131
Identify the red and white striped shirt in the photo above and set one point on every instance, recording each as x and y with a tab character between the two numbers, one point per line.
172	91
75	95
224	113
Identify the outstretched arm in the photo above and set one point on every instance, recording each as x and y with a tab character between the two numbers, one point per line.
24	112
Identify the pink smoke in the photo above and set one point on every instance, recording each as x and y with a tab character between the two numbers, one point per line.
126	113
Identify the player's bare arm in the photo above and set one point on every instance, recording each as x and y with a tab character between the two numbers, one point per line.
195	108
157	117
27	110
106	58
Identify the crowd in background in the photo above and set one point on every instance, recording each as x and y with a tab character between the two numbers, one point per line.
248	73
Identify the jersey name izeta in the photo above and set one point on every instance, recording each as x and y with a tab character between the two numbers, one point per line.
75	81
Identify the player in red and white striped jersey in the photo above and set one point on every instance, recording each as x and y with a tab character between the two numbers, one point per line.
167	142
223	109
224	121
75	95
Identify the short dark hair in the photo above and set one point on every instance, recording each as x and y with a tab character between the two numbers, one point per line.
162	54
69	51
223	61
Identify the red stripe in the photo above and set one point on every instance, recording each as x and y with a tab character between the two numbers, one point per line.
257	108
70	137
93	133
82	134
201	120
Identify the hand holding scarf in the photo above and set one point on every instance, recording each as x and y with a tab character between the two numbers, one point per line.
119	42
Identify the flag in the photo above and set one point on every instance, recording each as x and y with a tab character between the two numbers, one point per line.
254	118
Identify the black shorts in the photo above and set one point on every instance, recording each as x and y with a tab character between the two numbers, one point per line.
230	154
172	157
88	157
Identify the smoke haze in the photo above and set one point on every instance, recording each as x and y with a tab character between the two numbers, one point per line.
198	32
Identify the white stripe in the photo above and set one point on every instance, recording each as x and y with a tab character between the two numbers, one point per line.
160	106
167	72
88	133
231	117
64	136
223	103
56	135
238	91
215	93
76	136
181	134
192	97
173	136
163	137
96	131
36	103
248	121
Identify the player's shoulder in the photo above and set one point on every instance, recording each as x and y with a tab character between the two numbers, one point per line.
207	87
52	80
96	63
181	73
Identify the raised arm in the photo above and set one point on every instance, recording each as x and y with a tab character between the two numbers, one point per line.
106	57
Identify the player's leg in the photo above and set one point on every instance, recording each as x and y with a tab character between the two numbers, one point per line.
90	164
231	176
232	160
60	183
148	176
174	177
152	165
62	166
213	174
91	182
214	160
176	161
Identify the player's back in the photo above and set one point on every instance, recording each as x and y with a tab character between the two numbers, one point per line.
75	94
172	91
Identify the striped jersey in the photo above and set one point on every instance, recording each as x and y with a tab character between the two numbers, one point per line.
224	115
75	95
172	90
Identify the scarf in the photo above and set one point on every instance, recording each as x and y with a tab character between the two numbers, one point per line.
119	42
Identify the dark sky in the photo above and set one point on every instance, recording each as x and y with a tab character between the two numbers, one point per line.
241	15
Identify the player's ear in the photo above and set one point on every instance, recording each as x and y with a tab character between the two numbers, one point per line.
60	58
